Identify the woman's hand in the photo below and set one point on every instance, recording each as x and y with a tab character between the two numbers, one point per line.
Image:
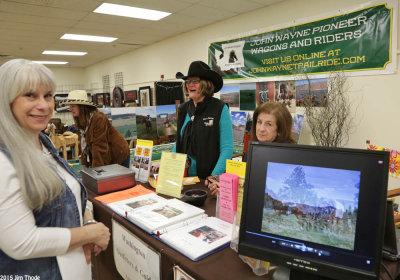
212	182
88	249
154	169
214	188
102	236
96	234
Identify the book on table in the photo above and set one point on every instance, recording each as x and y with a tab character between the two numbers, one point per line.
128	206
183	227
199	237
155	217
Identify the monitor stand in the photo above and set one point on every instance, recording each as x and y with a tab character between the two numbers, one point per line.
284	273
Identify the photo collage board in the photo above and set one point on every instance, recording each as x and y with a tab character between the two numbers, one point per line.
157	123
247	96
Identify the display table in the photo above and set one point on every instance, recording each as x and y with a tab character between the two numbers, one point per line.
224	264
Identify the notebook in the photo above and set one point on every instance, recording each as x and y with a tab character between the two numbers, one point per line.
391	243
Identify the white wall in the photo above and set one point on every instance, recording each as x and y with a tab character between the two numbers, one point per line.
377	97
69	78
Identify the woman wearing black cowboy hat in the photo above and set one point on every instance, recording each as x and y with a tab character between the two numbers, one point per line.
204	123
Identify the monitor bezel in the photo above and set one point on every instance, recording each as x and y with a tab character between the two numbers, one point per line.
324	269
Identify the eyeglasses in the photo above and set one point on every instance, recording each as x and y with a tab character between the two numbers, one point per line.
195	82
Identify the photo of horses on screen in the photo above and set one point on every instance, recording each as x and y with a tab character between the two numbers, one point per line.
310	203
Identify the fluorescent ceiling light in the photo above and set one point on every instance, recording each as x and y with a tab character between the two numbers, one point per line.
128	11
64	53
87	38
50	62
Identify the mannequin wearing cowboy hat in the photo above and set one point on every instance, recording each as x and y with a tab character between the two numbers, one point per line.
204	123
101	143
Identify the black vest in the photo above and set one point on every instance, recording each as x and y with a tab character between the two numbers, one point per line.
205	133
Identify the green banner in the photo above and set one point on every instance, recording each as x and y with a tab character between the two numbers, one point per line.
356	41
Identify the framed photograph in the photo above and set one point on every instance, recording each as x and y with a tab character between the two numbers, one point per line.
145	96
118	97
99	99
131	95
93	98
58	98
107	99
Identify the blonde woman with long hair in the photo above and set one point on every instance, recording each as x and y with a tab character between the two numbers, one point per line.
44	224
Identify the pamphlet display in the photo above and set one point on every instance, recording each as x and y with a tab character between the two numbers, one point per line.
142	160
228	191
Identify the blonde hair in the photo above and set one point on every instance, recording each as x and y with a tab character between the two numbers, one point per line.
38	181
206	88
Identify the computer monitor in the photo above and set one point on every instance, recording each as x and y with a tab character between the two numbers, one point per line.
318	211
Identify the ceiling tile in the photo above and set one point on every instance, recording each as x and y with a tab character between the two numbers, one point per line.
27	27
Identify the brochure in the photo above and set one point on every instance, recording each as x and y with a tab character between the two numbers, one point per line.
142	160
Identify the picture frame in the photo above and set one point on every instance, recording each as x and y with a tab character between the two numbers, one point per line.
130	95
93	97
99	97
144	96
58	98
106	99
118	97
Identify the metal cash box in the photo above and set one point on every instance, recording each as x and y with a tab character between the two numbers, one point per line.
108	178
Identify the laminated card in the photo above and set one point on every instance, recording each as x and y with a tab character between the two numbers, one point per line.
170	176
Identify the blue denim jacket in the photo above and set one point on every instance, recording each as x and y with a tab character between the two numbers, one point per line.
61	212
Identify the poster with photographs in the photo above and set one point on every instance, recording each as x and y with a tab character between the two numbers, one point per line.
142	160
285	93
247	96
265	92
249	120
166	120
146	124
230	95
314	91
297	126
107	112
124	120
238	125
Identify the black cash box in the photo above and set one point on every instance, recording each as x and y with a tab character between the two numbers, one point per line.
108	178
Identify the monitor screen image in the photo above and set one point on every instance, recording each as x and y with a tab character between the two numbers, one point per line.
315	210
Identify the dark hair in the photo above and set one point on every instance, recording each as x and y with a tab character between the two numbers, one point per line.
206	88
82	121
284	121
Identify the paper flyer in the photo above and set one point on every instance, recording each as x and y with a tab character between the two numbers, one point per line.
170	175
